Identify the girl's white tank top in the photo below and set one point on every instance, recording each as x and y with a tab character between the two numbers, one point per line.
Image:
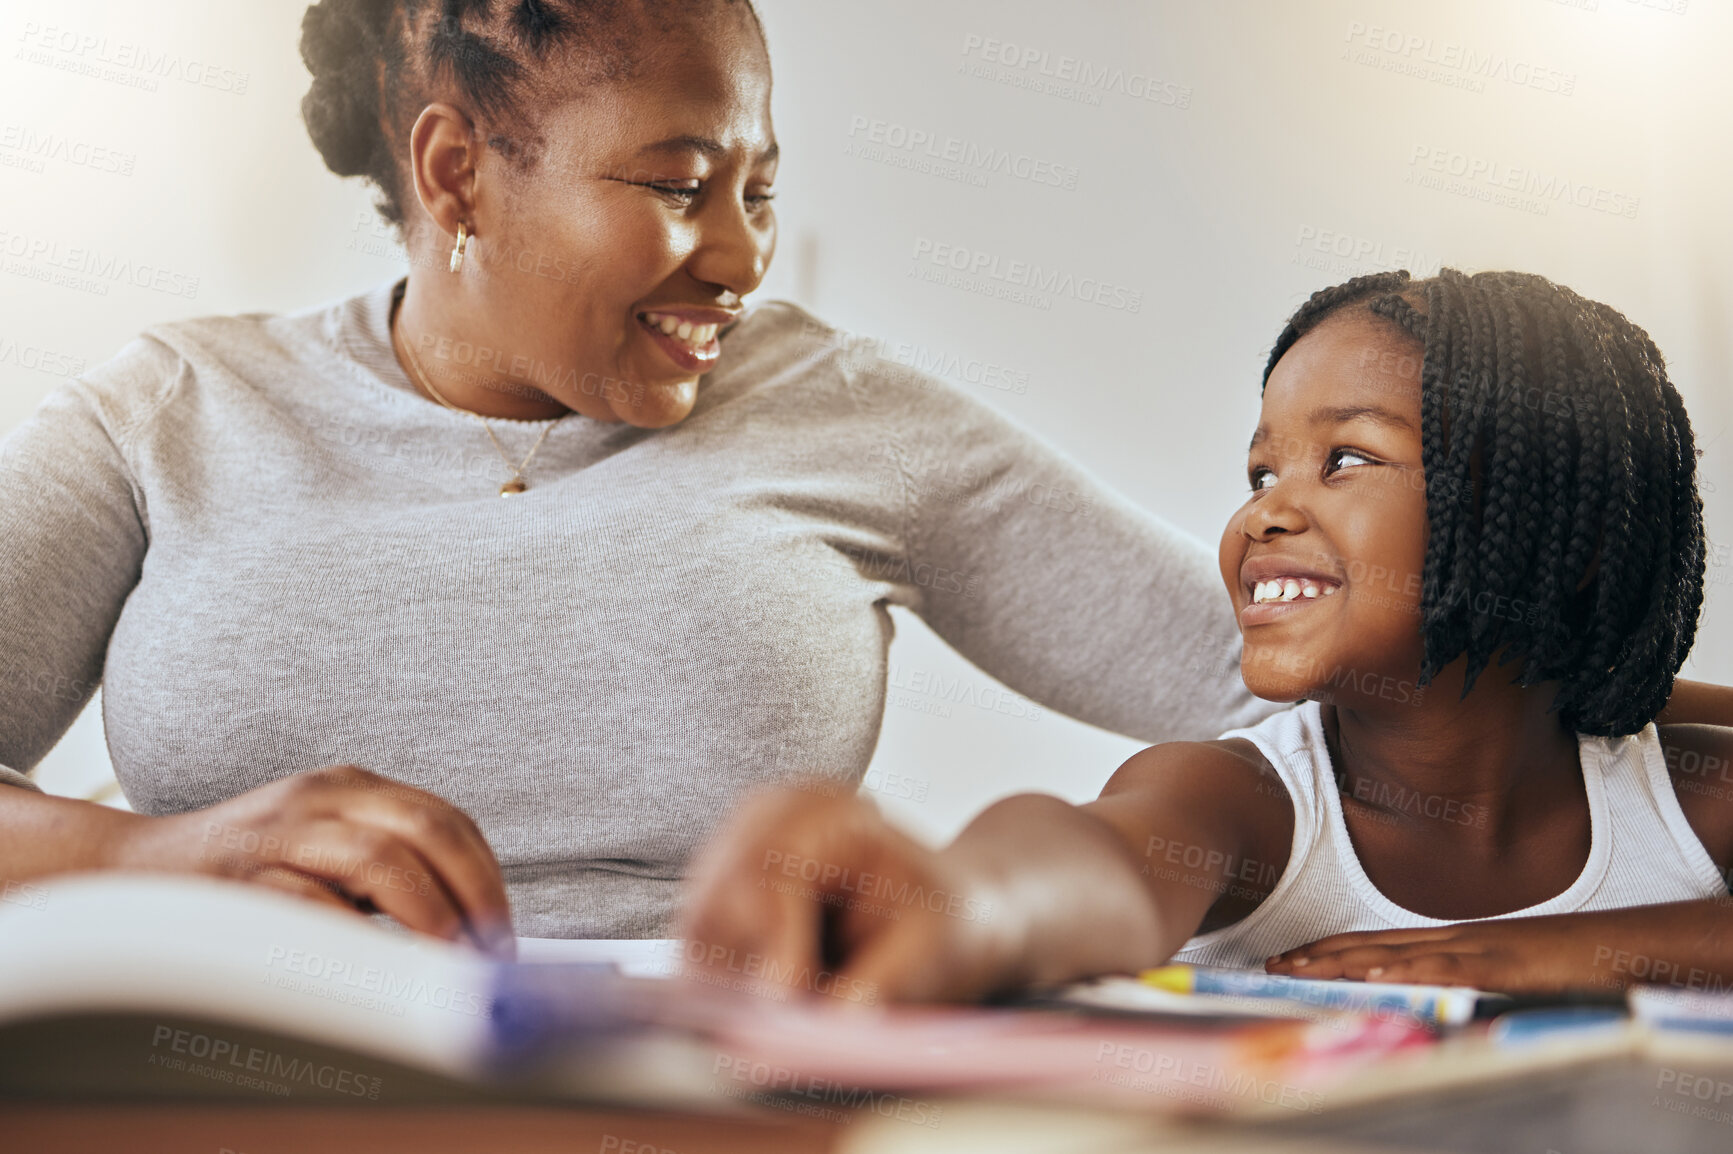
1642	850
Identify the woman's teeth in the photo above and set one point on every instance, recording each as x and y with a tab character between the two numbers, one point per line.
697	336
1288	589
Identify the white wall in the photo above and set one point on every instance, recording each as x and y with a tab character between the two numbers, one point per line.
1286	147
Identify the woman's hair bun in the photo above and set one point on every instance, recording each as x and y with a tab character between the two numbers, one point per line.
343	45
375	61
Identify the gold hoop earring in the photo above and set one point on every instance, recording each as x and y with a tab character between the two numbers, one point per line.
457	249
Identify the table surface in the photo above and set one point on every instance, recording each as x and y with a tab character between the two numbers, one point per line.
98	1084
982	1126
1606	1109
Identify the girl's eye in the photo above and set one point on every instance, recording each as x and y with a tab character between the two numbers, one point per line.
1346	459
759	199
1262	479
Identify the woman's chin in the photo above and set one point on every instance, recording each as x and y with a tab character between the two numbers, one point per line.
658	406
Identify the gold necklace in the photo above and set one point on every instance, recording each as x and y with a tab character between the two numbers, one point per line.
517	484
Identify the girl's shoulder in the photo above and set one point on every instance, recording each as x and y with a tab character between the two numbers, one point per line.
1229	780
1218	811
1291	750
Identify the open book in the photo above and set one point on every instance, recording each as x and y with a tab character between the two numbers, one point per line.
142	983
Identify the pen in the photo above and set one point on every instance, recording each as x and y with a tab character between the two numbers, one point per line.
1446	1005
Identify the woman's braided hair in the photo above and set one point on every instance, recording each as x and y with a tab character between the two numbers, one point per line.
377	63
1565	527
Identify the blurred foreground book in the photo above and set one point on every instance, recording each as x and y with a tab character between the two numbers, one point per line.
151	987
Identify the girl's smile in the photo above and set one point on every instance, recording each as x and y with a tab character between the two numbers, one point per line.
1276	586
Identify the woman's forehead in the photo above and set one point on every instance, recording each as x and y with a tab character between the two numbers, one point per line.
698	92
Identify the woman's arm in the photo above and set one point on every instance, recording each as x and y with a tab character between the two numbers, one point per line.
338	835
1033	892
1062	589
72	543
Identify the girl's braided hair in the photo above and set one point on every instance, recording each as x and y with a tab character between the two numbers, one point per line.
377	63
1565	527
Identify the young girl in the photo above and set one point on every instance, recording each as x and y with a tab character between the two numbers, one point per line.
1473	549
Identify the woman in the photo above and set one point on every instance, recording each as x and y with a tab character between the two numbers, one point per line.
279	543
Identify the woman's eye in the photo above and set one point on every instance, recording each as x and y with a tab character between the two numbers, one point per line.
680	191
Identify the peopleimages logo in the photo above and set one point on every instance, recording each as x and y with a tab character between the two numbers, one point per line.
88	269
138	65
1484	178
870	137
923	359
989	269
1071	77
337	980
41	147
1451	57
224	1060
1331	250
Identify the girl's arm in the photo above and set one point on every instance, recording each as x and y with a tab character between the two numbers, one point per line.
1698	702
817	893
1683	944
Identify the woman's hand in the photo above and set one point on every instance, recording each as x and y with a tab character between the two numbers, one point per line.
1680	943
346	837
819	894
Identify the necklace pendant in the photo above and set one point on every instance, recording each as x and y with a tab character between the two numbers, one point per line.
515	485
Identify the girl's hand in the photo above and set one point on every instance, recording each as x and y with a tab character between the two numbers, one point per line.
342	836
1680	943
819	895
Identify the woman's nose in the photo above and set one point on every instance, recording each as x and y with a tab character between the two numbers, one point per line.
733	252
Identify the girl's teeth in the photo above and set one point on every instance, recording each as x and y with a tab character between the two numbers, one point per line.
684	332
1288	589
669	325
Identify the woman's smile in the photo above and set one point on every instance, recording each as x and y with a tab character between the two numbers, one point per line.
686	334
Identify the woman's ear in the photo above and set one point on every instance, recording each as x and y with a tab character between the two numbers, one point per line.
444	151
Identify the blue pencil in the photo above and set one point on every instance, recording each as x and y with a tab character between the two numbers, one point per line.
1446	1005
